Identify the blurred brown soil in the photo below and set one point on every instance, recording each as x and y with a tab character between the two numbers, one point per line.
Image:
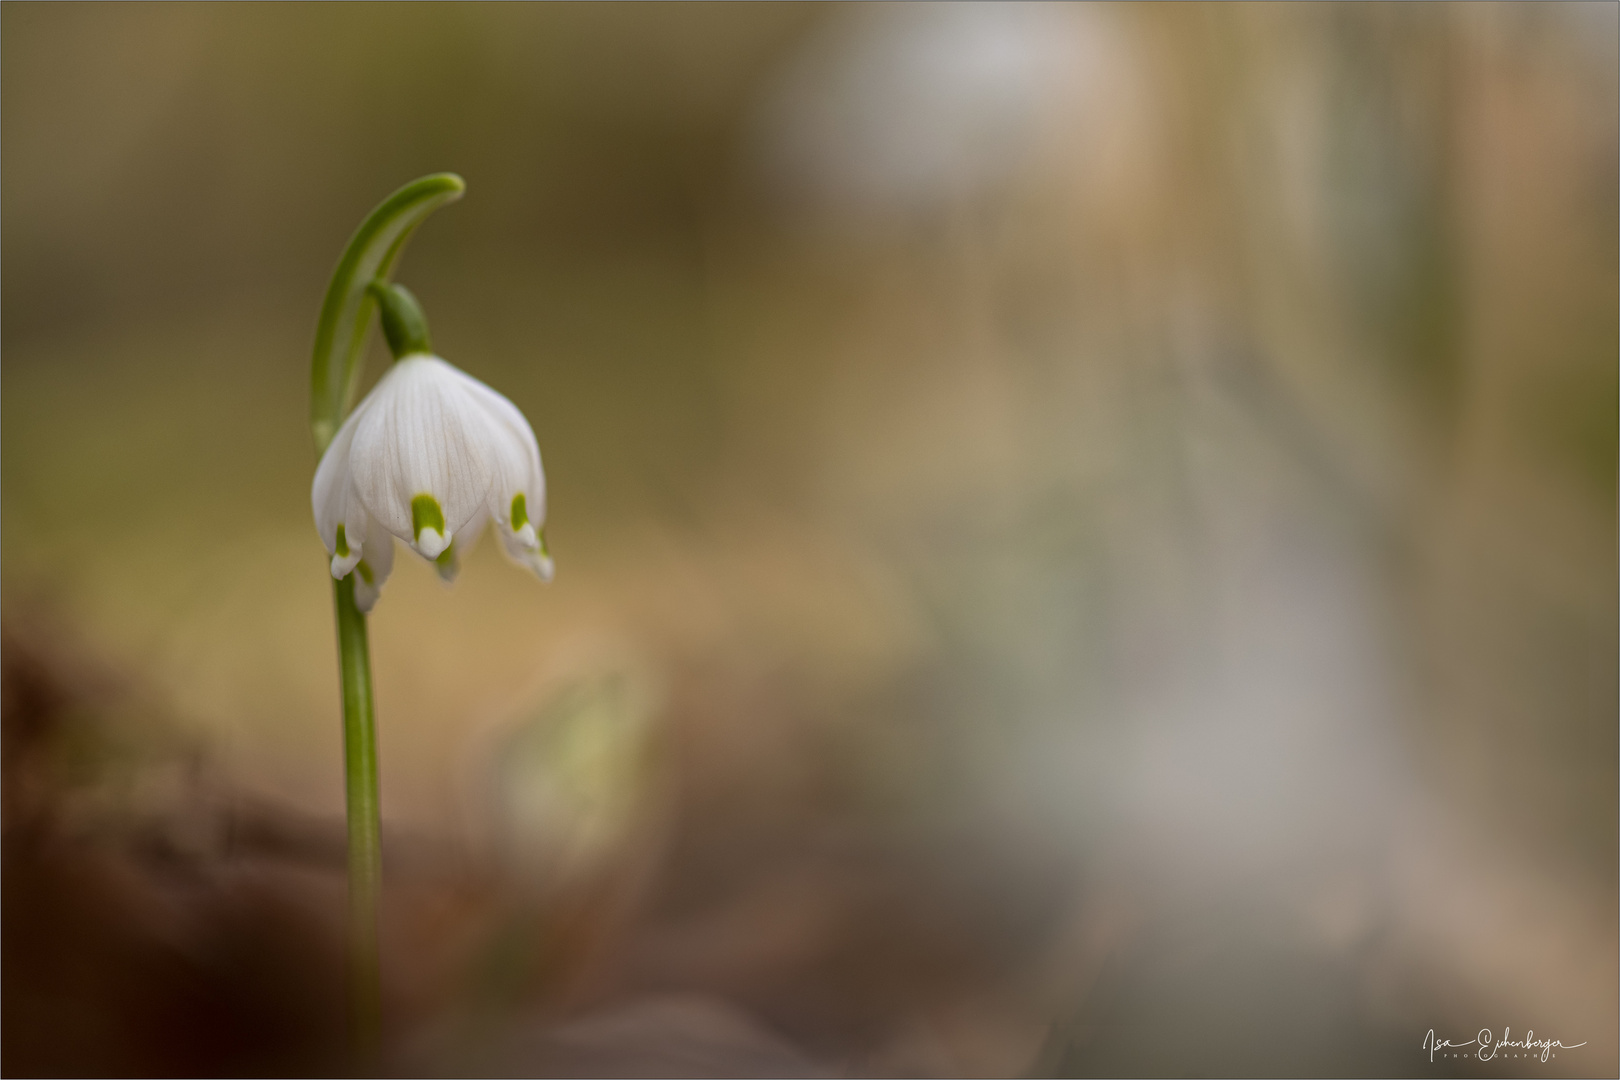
156	923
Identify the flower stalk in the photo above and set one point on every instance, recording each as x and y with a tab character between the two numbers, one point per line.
340	338
430	458
404	326
364	820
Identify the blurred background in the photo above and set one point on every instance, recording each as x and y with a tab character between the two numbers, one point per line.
1085	536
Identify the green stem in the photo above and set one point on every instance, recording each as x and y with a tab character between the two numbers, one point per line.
404	325
340	338
365	840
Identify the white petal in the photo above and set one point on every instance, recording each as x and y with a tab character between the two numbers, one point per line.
423	434
518	454
379	551
360	526
335	501
366	594
448	562
329	493
357	526
520	474
471	533
378	564
534	558
342	565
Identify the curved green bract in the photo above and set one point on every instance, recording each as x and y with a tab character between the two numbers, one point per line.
340	336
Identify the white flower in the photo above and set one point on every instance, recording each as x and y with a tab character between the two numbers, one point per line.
429	456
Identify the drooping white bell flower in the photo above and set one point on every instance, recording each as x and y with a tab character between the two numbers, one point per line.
430	455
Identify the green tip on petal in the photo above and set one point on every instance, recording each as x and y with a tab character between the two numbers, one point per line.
342	547
447	564
364	571
425	514
520	511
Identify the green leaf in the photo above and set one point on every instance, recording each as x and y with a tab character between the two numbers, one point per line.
340	336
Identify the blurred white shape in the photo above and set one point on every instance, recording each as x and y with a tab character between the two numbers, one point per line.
571	781
1274	747
911	106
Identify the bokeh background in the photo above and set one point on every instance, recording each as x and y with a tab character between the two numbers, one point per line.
1085	535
